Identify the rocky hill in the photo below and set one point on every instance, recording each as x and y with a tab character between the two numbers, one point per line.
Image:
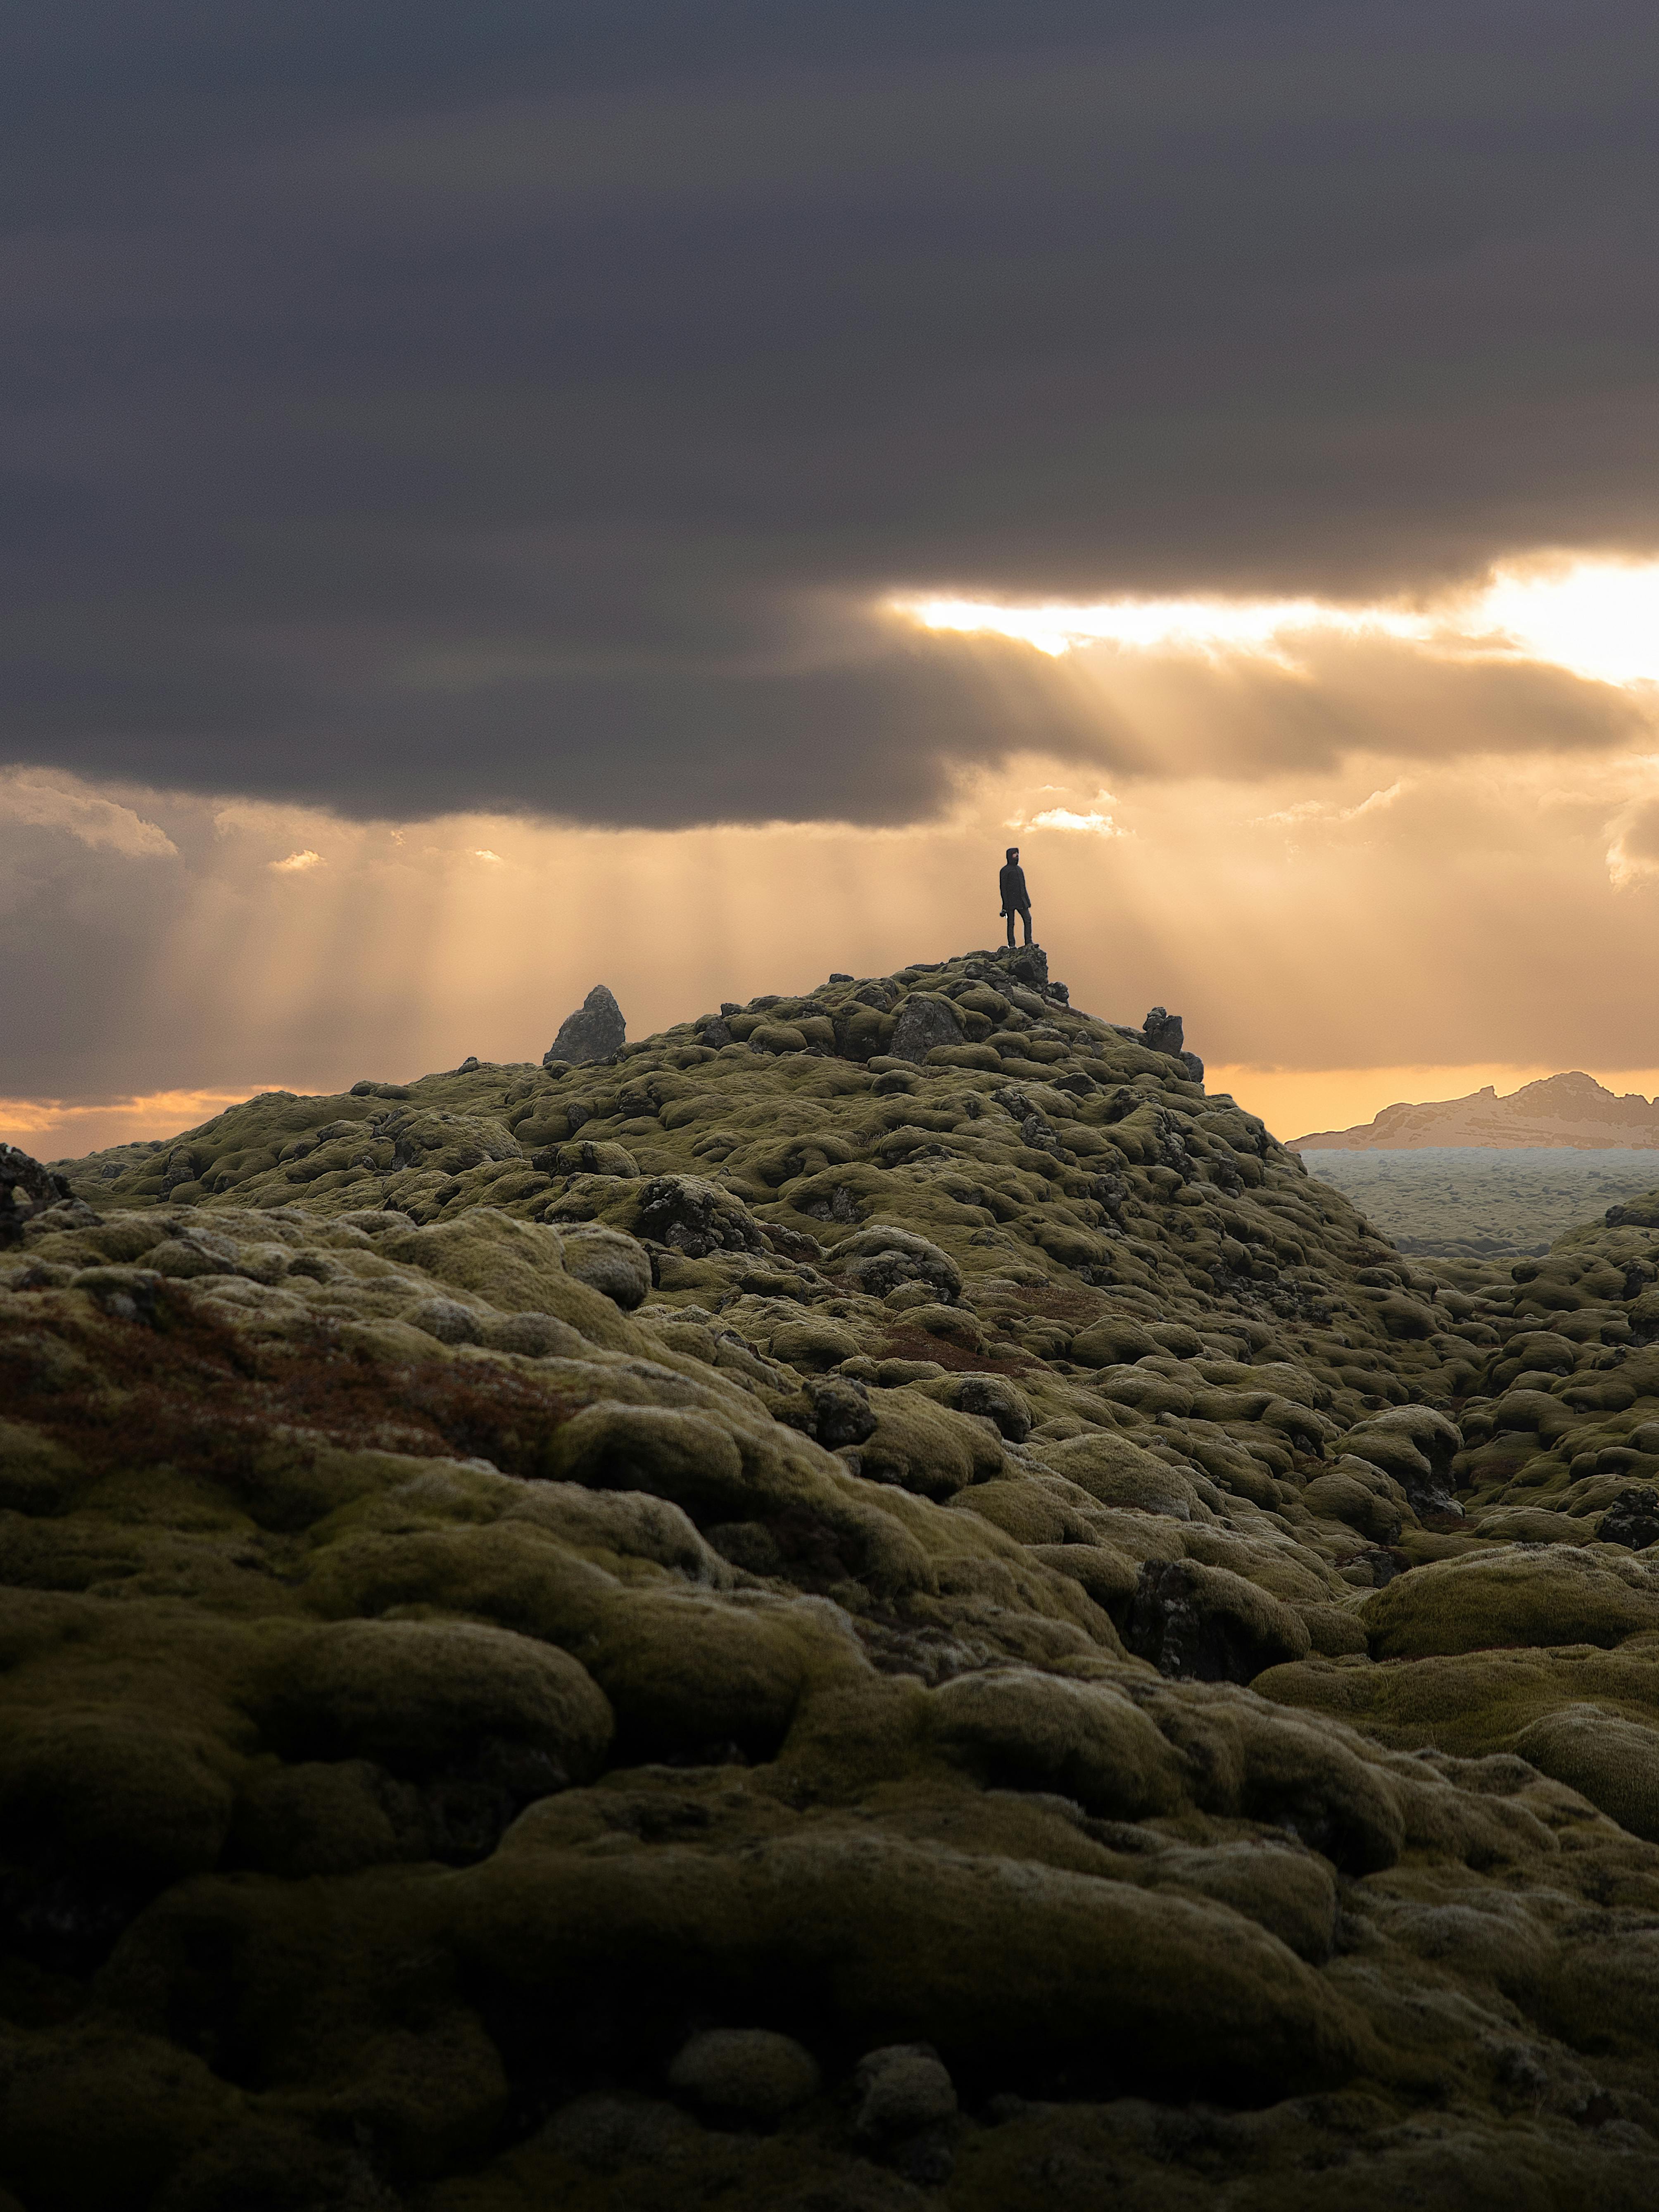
874	1602
1572	1110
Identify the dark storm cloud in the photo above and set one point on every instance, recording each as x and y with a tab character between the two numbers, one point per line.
424	408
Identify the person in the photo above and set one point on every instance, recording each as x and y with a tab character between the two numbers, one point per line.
1016	899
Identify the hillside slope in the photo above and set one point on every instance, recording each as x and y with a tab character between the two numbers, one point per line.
877	1603
1574	1110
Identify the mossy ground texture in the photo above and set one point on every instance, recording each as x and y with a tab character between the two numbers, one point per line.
779	1622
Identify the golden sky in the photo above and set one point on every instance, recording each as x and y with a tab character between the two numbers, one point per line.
1359	874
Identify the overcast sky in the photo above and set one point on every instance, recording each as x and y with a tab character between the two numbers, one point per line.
423	414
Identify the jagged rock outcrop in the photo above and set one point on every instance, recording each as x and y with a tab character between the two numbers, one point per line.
26	1189
596	1031
964	1634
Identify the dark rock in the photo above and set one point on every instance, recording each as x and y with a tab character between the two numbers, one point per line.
595	1031
924	1020
716	1034
747	2075
1163	1032
1173	1622
839	1205
841	1413
793	1244
1194	1065
25	1188
1632	1520
995	1398
1416	1445
697	1218
1384	1564
900	2087
183	1166
880	1258
907	2111
66	1918
1027	965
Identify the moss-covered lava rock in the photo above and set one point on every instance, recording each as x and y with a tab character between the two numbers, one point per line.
875	1600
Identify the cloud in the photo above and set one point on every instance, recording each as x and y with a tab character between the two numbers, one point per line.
86	816
1632	855
532	411
297	864
1308	812
1063	817
52	1128
1595	617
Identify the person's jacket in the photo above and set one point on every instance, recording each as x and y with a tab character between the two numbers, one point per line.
1011	883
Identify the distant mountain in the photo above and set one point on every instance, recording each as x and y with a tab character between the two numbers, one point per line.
1573	1110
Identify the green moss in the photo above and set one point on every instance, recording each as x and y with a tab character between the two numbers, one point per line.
1082	1739
1515	1596
428	1689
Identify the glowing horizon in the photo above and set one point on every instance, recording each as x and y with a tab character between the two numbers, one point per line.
1598	618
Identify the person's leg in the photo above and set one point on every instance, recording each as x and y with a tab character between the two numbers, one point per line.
1011	929
1025	916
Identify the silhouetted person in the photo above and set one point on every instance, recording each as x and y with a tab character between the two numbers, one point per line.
1016	899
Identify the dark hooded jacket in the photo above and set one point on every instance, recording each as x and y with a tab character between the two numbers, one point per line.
1011	883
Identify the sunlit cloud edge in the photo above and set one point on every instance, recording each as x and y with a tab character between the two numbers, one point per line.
1595	617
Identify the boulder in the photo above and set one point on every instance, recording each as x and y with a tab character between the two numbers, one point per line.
696	1217
595	1031
606	1261
1205	1624
995	1399
1163	1032
25	1188
743	2074
876	1260
1632	1520
1027	965
901	2088
924	1020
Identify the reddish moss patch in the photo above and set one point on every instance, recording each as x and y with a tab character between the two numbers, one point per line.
916	1344
191	1394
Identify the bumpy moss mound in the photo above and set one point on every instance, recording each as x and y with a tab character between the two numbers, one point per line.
876	1603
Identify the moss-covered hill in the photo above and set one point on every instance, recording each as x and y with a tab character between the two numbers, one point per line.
876	1604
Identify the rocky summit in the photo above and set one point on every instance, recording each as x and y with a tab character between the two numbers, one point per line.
874	1602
